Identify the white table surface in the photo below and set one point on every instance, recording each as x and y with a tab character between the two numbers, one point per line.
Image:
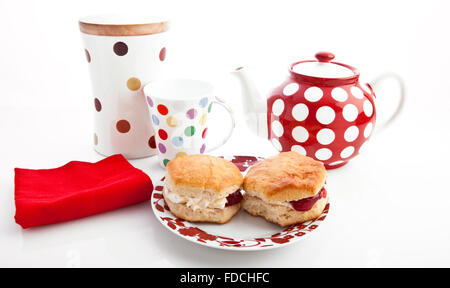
389	206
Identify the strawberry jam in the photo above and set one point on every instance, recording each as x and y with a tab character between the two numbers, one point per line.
234	198
307	203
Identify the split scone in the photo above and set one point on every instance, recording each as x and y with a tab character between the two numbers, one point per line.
202	188
286	189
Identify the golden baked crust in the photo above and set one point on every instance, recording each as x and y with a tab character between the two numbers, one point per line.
281	215
286	177
204	171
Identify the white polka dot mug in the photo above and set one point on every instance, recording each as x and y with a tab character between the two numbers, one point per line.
123	53
179	111
321	110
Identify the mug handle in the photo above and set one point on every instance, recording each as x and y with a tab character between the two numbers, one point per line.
377	83
233	124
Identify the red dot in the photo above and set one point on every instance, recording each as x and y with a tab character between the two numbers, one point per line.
162	54
163	110
152	142
204	133
162	134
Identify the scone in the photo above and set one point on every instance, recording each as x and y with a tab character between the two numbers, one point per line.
202	188
286	189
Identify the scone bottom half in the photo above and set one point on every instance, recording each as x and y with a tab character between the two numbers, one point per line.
286	189
202	188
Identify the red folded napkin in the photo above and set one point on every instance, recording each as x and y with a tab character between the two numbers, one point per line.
77	189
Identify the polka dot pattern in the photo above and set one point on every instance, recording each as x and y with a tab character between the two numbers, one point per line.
351	133
325	115
300	134
368	108
120	48
290	89
202	149
204	133
162	148
203	119
123	126
350	112
172	121
88	55
339	94
155	120
324	122
313	94
150	101
191	113
278	107
98	105
162	110
162	54
189	131
300	112
177	141
134	84
95	139
325	136
152	142
162	134
277	128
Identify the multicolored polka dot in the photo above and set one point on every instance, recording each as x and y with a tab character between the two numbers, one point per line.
162	134
155	120
88	56
191	113
189	131
162	110
162	54
177	141
203	119
165	162
150	101
210	107
98	105
203	102
172	121
152	142
204	133
202	149
179	154
134	84
162	148
120	48
123	126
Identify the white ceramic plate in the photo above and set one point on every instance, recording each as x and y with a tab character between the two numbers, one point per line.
243	232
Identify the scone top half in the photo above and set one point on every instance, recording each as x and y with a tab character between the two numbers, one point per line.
286	177
202	181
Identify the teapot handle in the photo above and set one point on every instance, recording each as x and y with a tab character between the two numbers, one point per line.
377	83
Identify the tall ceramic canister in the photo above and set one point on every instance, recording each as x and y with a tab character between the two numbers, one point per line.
123	53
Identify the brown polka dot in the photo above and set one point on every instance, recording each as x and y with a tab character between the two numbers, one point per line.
152	142
162	54
88	56
95	139
133	84
120	49
123	126
98	105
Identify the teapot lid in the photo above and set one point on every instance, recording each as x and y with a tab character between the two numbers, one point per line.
324	71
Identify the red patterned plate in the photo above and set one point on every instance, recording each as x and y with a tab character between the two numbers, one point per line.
243	232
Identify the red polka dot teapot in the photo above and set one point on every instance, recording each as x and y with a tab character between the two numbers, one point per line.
321	110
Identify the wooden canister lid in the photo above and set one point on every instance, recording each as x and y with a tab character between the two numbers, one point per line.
122	25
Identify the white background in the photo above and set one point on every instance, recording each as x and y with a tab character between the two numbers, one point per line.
389	206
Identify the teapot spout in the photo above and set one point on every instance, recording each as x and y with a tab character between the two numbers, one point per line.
255	106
